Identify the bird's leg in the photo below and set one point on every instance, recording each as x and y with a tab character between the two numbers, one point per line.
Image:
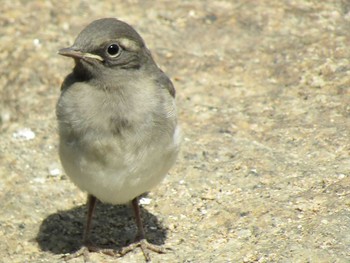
137	213
140	237
140	240
87	247
91	202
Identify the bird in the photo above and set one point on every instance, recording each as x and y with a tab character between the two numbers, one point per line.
117	122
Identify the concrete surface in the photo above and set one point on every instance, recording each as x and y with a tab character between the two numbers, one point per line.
263	96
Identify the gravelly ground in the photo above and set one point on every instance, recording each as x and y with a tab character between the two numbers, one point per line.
263	97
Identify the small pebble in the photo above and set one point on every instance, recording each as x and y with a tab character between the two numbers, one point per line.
25	134
54	169
145	201
36	43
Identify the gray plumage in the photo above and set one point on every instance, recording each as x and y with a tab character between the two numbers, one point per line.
116	114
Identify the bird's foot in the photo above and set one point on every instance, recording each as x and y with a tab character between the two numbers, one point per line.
143	244
82	252
145	247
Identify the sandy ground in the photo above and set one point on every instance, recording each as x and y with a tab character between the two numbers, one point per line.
263	96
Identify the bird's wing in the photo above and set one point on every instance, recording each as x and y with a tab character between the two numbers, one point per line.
165	83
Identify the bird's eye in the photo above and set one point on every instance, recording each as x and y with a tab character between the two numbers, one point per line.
113	50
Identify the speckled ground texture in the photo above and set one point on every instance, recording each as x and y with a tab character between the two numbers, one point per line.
263	97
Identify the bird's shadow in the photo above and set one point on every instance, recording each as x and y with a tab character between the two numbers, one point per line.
113	226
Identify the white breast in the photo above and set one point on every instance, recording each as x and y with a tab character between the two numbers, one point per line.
119	175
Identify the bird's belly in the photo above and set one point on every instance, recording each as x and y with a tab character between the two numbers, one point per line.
116	175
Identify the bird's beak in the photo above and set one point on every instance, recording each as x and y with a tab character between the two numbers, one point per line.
73	53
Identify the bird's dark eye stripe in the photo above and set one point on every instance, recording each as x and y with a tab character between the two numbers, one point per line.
113	50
